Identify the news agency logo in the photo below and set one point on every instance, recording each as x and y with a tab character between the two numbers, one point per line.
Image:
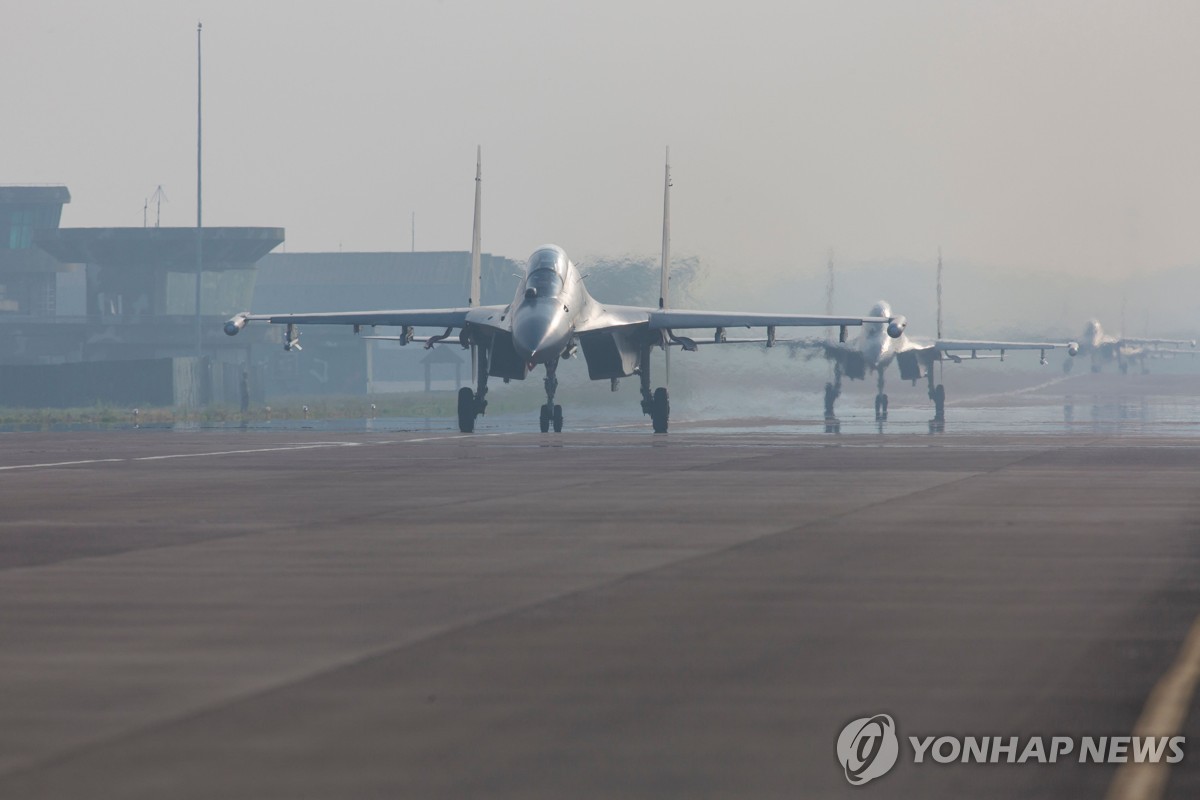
868	748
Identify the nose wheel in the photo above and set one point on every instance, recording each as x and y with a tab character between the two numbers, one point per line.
550	417
881	407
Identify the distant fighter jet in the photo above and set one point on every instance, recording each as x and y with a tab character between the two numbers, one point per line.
1105	349
873	351
550	318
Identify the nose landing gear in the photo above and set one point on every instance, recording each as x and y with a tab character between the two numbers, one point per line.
551	415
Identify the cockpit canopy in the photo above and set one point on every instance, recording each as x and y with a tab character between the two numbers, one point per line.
545	273
550	257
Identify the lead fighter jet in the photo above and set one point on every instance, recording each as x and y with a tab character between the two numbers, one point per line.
550	318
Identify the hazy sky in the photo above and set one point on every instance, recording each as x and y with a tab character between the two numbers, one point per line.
1062	136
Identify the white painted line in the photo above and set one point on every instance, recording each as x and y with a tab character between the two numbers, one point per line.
1165	712
63	463
280	449
314	446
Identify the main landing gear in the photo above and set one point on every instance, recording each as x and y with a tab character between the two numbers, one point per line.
881	401
474	404
551	414
938	395
658	403
832	392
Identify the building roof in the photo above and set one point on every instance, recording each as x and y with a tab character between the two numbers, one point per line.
223	248
34	194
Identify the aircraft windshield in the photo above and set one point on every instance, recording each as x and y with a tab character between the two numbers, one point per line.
545	281
548	258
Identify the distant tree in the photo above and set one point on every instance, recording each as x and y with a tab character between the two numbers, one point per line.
631	280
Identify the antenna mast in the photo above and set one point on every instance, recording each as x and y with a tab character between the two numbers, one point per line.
158	197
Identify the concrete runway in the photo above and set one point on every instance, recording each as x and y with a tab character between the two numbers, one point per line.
334	615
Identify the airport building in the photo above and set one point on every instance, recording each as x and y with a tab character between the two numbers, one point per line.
107	315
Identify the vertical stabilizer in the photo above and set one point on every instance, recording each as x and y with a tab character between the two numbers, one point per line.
666	240
476	287
475	290
666	258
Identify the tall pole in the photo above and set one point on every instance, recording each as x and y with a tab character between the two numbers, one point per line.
199	217
829	284
939	294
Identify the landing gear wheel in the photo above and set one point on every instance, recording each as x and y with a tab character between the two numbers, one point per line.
884	406
466	410
660	410
556	418
881	404
939	402
544	418
830	396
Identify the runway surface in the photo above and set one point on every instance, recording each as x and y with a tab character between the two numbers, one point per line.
308	613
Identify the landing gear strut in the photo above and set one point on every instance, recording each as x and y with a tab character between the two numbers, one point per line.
550	414
881	401
474	404
938	395
833	391
658	403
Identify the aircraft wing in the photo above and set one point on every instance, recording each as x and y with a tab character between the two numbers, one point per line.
415	318
951	345
950	348
1156	342
667	319
676	318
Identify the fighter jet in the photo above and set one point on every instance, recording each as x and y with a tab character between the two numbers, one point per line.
552	317
1105	349
873	351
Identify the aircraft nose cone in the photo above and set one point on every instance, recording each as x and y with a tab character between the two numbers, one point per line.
535	335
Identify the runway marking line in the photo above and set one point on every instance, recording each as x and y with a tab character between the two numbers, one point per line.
1164	714
312	446
279	449
62	463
